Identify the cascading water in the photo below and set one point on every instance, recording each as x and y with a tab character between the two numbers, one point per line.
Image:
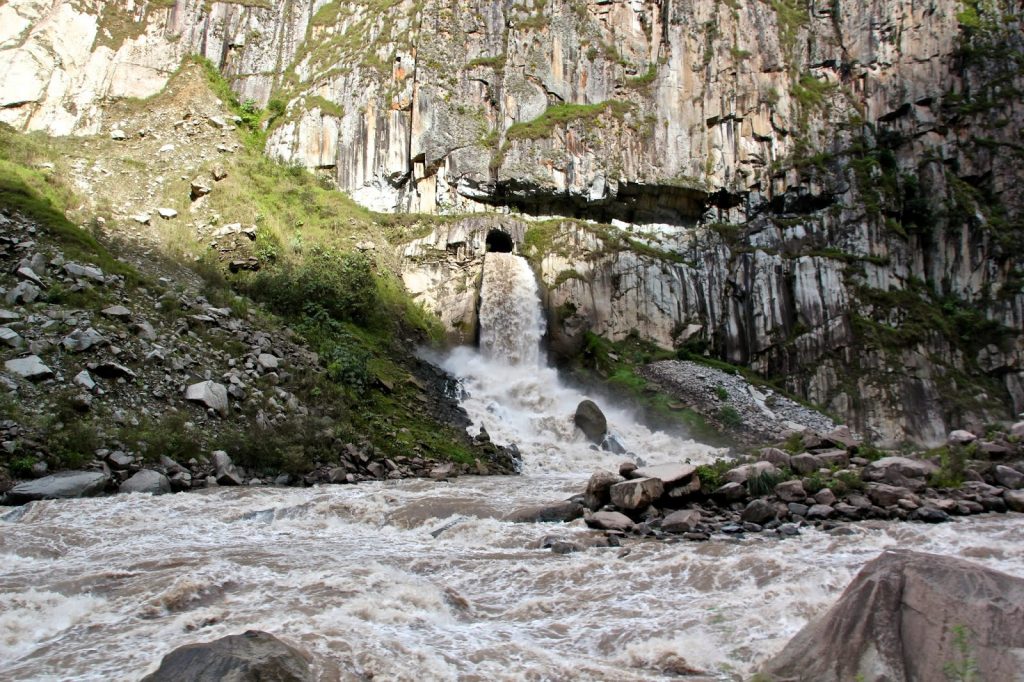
422	581
519	400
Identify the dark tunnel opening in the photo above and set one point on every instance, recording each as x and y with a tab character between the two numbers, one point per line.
499	242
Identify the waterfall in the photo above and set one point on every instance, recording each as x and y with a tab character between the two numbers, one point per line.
511	318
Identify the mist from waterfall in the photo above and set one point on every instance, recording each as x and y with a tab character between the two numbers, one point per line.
520	400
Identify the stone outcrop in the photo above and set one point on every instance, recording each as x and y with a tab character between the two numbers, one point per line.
248	657
912	616
828	195
63	485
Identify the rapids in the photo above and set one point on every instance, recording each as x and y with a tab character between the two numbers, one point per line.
419	580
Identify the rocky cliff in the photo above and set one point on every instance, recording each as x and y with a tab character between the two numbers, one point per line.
829	193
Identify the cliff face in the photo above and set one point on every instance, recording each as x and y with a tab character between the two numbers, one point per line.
828	192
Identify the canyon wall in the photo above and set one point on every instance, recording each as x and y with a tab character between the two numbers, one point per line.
828	192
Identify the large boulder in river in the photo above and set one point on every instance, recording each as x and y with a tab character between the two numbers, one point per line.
146	481
569	510
597	494
251	657
591	421
910	616
636	494
66	484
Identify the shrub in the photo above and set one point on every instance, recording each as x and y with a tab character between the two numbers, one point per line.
764	483
712	475
730	417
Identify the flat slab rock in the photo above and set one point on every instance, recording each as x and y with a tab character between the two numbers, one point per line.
31	368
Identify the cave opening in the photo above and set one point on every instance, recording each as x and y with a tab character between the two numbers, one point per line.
499	241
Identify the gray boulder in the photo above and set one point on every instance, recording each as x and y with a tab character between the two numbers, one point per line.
23	292
63	485
82	340
1009	477
804	463
609	520
591	421
670	475
225	471
636	494
910	616
682	521
742	474
146	481
887	495
779	458
557	512
11	338
759	511
791	491
211	394
251	657
1014	500
900	471
31	368
597	494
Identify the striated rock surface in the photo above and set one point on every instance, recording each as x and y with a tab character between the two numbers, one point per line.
829	195
912	616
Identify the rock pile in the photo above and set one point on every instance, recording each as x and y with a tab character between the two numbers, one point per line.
831	480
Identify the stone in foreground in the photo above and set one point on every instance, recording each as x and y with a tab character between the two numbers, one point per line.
66	484
146	481
898	620
591	421
250	657
609	520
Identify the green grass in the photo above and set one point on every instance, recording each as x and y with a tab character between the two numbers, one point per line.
563	114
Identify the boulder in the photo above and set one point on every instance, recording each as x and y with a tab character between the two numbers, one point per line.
900	471
118	134
1017	429
82	340
597	494
609	520
250	657
820	512
791	491
830	458
911	616
825	496
682	521
267	362
1014	500
557	512
670	475
167	213
63	485
887	495
199	188
85	272
759	511
842	436
1008	477
11	338
211	394
637	493
146	481
612	444
591	421
804	463
961	437
779	458
31	368
23	292
742	473
730	492
117	312
225	471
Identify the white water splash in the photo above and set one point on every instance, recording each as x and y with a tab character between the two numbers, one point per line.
511	318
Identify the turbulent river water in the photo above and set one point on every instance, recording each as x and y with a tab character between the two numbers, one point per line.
417	580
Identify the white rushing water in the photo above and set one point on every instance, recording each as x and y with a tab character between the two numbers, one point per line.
418	580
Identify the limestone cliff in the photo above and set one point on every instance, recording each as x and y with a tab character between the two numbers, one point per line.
827	192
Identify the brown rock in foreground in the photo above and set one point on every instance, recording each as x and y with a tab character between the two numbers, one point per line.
898	622
250	657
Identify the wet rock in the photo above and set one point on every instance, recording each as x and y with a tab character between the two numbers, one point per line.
225	471
558	512
1008	477
894	622
564	547
31	368
66	484
612	444
609	520
791	491
788	529
591	421
682	521
250	657
930	514
211	394
1013	499
597	495
820	512
146	481
759	511
636	494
